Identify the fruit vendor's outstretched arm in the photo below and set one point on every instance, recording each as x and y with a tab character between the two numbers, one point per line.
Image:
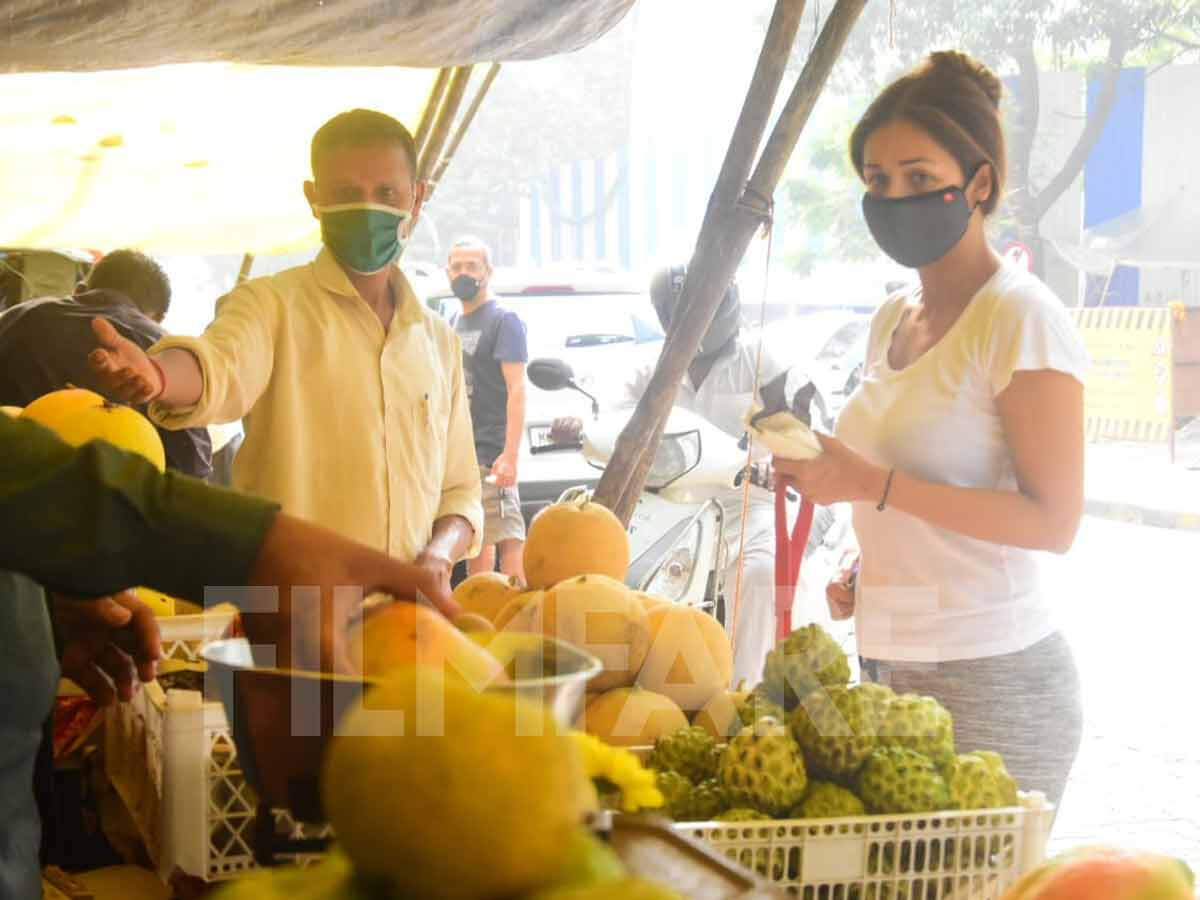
96	520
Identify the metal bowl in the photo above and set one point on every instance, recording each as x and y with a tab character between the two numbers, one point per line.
281	719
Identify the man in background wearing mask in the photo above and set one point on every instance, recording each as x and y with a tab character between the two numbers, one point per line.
494	357
719	386
352	392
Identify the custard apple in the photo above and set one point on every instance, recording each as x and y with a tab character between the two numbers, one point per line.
805	660
879	696
899	780
836	730
828	801
676	790
921	724
691	751
757	704
707	801
763	768
979	780
740	814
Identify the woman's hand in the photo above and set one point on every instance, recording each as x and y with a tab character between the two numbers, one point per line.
839	593
837	475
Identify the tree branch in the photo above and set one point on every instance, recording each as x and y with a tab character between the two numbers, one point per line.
1096	123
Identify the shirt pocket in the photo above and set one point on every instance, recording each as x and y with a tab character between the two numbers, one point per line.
430	411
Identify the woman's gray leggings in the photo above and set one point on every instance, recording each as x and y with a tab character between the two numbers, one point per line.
1026	706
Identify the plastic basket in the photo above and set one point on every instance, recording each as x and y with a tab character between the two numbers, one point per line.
171	758
970	855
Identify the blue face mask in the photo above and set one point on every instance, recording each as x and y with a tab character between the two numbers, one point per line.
365	237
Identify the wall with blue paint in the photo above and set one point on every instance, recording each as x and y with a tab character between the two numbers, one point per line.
1112	179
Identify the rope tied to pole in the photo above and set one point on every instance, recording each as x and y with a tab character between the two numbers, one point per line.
764	208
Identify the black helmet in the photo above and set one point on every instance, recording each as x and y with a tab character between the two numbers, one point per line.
666	287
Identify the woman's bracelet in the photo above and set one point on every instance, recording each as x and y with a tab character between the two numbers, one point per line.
887	489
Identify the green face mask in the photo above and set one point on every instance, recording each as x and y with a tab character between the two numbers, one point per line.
365	237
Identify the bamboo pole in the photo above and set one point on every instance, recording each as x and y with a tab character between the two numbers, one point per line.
729	224
461	130
247	265
432	150
432	104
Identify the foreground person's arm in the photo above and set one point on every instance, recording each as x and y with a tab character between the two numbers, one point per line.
96	520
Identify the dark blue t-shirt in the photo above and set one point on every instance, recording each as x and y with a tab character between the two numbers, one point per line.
491	335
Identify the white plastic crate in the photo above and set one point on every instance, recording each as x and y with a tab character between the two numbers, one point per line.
171	758
972	855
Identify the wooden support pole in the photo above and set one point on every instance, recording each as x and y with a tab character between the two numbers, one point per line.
432	105
736	210
247	265
432	150
461	130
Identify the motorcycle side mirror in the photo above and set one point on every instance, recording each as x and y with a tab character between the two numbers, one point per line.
550	374
555	375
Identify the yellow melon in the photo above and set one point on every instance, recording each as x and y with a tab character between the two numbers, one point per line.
486	593
401	634
11	411
472	623
79	416
56	406
514	606
631	717
161	604
597	614
650	602
690	658
575	538
453	794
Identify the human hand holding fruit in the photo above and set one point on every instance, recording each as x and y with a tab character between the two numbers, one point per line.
109	643
838	474
839	593
297	556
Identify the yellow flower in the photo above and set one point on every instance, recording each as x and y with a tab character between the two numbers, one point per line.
621	768
1178	310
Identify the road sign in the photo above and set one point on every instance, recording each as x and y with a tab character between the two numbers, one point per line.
1020	254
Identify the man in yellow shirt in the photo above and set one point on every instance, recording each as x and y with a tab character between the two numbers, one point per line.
356	415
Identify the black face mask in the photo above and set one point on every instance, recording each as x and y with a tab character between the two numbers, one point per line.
919	230
465	287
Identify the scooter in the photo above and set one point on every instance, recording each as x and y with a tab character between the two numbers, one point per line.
677	531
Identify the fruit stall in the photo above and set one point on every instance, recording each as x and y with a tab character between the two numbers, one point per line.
565	739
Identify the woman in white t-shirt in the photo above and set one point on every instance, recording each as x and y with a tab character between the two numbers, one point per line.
962	449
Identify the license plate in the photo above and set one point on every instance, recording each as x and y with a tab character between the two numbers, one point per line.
539	436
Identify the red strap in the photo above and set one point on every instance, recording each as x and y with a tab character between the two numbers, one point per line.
789	551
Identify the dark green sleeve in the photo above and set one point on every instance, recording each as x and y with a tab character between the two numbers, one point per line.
96	520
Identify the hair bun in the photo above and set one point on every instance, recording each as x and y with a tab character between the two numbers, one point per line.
959	65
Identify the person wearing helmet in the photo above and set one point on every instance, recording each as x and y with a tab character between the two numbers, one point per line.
719	386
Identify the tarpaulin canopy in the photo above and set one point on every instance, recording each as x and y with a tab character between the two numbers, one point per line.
75	35
196	140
